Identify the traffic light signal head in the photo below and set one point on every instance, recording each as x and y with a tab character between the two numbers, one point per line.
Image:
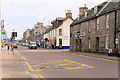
14	34
13	37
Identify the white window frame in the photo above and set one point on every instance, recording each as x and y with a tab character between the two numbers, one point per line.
61	32
89	43
85	13
107	21
106	42
98	20
89	25
119	42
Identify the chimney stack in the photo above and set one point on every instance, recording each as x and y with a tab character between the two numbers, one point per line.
83	9
68	14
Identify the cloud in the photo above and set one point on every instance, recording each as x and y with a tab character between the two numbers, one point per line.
18	13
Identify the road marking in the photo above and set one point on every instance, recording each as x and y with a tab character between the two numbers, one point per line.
36	76
40	76
98	58
64	65
29	66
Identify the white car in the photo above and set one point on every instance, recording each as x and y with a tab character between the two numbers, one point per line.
23	44
32	45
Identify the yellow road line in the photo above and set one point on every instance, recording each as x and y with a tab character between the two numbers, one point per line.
36	76
40	76
98	58
29	66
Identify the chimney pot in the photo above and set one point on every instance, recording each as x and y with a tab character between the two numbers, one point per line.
68	14
83	9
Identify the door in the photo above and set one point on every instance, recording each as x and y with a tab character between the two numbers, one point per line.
80	45
76	45
60	43
97	44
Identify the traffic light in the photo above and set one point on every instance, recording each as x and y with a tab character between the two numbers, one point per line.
13	37
14	34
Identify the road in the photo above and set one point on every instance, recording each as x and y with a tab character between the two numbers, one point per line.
42	63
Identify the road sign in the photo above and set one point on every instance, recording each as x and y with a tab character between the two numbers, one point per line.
3	33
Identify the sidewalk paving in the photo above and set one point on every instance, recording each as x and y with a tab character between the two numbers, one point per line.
12	67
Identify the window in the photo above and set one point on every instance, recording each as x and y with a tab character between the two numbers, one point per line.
85	14
95	10
80	28
36	27
89	24
36	33
107	21
60	31
70	35
106	42
97	23
89	42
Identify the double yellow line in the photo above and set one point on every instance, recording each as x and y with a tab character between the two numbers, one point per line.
99	58
30	68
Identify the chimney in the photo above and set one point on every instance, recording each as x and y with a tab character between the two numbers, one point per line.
68	14
83	9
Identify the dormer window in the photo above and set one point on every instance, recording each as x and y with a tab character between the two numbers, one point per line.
95	10
85	14
36	27
78	16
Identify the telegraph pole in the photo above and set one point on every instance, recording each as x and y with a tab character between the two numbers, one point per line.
0	30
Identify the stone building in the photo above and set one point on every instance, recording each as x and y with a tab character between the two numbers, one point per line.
26	34
35	34
97	29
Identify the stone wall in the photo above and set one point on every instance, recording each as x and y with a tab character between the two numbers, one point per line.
101	33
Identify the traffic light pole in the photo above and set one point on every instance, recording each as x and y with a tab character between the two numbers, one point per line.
0	45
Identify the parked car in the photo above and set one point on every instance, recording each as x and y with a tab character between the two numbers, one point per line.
15	46
32	45
23	44
26	44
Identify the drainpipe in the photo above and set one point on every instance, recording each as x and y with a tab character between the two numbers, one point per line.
115	30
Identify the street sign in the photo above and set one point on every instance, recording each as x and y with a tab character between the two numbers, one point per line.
3	33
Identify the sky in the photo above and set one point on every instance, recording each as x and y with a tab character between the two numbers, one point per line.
19	15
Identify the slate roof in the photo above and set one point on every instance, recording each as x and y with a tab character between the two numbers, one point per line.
110	7
58	24
101	10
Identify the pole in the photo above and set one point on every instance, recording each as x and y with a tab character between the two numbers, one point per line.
0	45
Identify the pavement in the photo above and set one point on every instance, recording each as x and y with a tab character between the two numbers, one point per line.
13	67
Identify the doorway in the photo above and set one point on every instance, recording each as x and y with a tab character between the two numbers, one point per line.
97	44
76	44
60	43
80	45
